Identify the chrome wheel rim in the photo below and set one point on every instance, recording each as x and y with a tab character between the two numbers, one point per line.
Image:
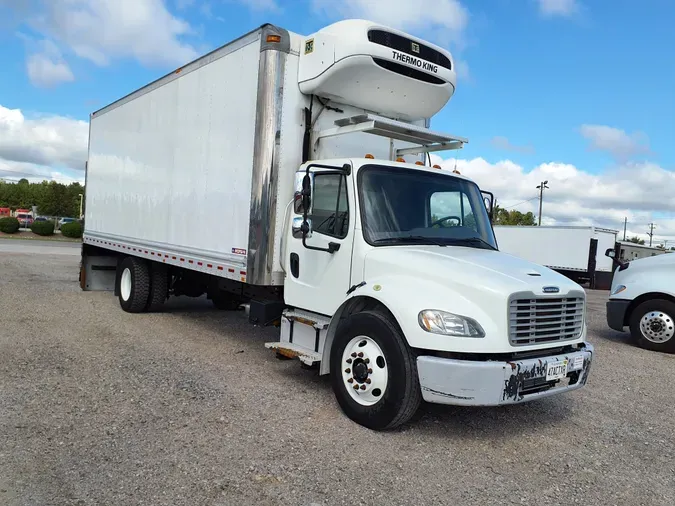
657	327
364	370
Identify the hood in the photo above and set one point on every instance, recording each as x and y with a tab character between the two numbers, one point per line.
467	269
662	259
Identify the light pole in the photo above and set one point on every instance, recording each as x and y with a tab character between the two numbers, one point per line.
81	198
541	196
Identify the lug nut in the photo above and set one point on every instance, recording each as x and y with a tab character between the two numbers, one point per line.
368	380
356	387
348	370
367	361
360	354
350	380
370	371
349	360
363	387
354	354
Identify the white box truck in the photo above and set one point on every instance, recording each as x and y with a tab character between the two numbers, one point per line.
577	252
305	158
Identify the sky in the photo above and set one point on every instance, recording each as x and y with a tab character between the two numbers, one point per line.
577	92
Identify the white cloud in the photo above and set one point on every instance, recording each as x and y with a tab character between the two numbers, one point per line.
617	142
104	30
48	141
47	67
641	192
504	143
447	19
14	171
562	8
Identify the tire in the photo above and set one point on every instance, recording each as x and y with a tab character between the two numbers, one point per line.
652	325
159	286
390	365
134	285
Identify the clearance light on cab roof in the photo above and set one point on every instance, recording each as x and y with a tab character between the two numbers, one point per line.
419	163
437	166
368	155
399	159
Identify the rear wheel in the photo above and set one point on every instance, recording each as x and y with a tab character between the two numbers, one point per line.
134	285
373	372
652	325
159	286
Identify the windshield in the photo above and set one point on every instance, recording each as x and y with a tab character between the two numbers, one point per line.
404	206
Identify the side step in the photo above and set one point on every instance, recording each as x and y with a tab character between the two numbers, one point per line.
290	350
302	336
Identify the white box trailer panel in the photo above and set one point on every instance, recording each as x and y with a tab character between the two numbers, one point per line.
553	247
170	167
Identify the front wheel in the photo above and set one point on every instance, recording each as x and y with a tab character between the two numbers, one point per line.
373	372
652	325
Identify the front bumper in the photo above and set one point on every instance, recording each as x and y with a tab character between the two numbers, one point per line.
476	383
616	313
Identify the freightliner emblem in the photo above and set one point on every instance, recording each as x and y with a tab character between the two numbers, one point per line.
551	289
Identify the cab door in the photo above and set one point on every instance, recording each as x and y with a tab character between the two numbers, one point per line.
318	272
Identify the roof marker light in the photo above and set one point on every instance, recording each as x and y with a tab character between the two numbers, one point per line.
368	155
399	159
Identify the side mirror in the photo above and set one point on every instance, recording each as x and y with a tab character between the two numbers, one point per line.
297	203
610	252
306	192
302	199
300	225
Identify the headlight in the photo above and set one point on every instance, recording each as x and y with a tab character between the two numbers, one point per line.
618	289
449	324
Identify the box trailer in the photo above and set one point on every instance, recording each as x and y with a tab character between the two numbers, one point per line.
305	158
575	251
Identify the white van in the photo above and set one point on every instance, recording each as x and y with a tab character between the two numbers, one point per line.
642	298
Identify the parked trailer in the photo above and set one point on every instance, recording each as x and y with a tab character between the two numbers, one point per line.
576	252
305	158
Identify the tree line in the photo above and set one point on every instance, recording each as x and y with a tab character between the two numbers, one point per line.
503	216
50	197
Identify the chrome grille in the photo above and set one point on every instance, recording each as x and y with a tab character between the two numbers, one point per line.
545	320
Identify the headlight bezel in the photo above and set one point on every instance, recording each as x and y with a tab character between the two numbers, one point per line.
435	321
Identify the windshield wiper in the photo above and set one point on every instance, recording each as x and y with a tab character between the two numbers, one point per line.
474	240
404	238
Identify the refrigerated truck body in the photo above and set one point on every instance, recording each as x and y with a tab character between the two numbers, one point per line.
306	160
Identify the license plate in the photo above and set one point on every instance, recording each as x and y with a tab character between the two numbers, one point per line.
556	370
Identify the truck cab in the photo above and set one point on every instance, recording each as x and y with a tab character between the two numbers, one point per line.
394	272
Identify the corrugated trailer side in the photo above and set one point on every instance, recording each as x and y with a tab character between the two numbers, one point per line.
182	168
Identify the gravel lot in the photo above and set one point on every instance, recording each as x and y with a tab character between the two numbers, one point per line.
187	407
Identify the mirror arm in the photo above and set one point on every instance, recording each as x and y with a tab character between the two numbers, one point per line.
492	200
